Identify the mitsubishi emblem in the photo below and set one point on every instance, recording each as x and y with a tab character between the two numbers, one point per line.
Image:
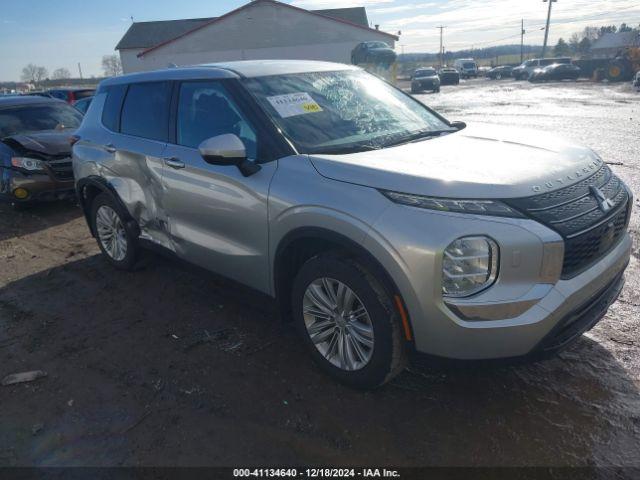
605	203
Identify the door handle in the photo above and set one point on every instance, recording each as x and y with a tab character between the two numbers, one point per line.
174	163
110	148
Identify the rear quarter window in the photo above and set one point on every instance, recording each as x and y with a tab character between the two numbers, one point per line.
113	106
145	112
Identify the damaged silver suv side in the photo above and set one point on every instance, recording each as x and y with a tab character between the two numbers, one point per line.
380	227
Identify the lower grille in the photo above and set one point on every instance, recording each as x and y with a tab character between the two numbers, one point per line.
61	169
583	319
591	216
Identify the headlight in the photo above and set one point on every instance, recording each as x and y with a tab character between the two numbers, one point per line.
26	163
470	265
478	207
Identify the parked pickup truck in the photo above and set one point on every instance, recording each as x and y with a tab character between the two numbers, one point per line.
382	229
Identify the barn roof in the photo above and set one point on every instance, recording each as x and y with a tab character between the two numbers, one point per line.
150	34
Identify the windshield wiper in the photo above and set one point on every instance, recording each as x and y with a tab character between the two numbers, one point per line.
419	136
350	149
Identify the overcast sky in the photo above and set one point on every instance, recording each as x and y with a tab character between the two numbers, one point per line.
65	32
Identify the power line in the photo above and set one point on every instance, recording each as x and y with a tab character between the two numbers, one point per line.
543	25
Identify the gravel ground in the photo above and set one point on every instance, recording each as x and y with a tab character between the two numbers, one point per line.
173	366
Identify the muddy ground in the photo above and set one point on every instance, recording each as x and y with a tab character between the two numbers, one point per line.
173	366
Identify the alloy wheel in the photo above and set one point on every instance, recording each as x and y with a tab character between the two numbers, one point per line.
111	233
338	324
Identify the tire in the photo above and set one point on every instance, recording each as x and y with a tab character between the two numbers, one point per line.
437	90
414	90
101	209
618	71
369	367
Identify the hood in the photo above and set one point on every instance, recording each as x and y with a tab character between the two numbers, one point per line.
47	143
479	162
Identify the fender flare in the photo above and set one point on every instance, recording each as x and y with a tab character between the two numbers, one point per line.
337	238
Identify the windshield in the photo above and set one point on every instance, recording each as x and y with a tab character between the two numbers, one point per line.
469	65
377	45
36	118
426	73
342	112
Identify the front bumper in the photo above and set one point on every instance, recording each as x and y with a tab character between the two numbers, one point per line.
548	324
41	187
449	79
523	314
426	84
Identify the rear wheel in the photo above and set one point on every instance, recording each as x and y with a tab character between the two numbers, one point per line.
347	321
115	241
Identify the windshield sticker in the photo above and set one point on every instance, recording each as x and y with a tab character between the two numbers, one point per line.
294	104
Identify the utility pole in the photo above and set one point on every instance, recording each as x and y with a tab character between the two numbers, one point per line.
522	32
546	32
441	46
80	70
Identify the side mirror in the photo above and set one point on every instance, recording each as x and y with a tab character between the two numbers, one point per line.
225	149
458	125
228	150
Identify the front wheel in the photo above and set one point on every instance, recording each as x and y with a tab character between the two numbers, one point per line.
114	239
347	321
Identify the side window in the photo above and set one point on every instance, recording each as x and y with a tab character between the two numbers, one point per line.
145	112
113	106
205	110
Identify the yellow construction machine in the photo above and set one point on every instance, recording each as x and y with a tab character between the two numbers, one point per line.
624	66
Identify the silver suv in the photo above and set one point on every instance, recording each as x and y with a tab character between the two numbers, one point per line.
381	228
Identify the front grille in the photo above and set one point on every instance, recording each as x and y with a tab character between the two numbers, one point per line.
577	215
61	169
583	250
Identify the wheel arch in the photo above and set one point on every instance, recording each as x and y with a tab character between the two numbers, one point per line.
303	243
